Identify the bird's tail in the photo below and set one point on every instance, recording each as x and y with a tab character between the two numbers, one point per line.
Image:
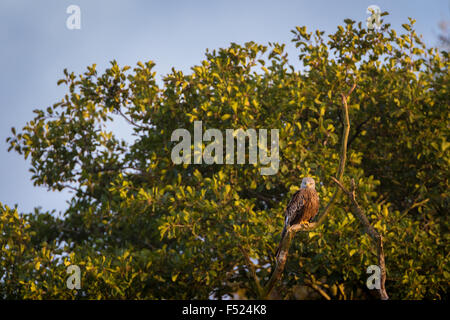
283	233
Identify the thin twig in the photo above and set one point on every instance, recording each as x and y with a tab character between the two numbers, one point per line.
414	205
131	121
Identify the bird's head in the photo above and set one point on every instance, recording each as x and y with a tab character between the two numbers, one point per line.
308	182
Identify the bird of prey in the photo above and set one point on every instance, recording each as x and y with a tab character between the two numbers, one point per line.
303	206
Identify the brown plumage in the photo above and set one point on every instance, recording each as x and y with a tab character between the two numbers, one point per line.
303	206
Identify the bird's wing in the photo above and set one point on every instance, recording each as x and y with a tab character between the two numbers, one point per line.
291	211
293	207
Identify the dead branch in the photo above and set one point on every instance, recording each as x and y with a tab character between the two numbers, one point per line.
343	153
286	242
376	237
282	256
359	213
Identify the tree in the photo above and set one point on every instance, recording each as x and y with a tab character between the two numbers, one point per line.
140	226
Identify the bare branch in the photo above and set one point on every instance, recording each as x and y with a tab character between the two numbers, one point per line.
286	241
343	153
376	237
282	256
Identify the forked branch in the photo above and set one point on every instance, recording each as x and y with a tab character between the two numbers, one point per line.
286	242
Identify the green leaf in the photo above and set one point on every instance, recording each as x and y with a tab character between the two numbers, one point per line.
407	27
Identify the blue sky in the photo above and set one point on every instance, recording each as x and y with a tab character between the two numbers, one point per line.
35	47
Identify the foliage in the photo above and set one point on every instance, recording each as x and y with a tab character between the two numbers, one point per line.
140	226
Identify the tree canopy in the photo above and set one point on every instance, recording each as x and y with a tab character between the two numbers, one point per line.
141	227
